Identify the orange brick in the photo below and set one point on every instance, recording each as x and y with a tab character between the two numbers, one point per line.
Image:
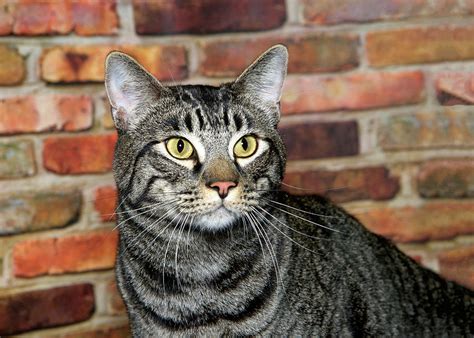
432	221
303	94
92	17
420	45
458	265
454	88
45	113
80	154
74	253
308	53
338	11
105	202
12	66
344	185
86	63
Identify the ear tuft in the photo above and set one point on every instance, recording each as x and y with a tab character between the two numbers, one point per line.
129	88
264	78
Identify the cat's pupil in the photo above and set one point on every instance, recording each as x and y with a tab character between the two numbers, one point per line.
180	146
245	144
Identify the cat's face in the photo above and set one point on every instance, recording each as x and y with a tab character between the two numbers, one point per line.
200	154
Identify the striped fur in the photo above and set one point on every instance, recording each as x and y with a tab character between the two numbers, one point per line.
276	264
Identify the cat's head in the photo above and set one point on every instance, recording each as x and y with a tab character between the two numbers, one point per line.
210	154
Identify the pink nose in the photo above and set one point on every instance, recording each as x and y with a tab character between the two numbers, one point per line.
223	187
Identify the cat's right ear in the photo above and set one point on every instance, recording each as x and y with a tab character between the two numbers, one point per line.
130	89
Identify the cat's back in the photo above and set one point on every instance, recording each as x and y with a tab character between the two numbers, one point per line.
363	279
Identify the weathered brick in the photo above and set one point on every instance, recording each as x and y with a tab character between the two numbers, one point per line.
92	17
454	88
105	202
41	113
312	140
420	45
6	17
59	255
339	11
119	332
12	66
80	154
448	128
431	221
40	309
84	17
304	94
345	185
86	63
17	159
207	16
38	210
308	53
458	265
115	304
452	178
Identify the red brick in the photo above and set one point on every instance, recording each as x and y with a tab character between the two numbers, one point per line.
448	128
207	16
345	185
312	140
454	88
80	154
86	63
304	94
92	17
458	265
308	53
12	66
6	17
59	255
17	159
42	17
452	178
115	304
119	332
420	45
40	309
105	202
340	11
41	113
84	17
33	211
431	221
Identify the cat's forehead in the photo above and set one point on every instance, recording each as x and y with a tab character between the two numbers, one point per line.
207	109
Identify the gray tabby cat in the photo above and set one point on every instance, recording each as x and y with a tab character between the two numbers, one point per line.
210	246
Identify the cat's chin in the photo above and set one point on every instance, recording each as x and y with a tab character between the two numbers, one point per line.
216	220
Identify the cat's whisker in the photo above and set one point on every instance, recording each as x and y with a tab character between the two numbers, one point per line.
180	231
294	187
144	212
270	249
300	210
255	230
151	206
149	226
189	233
167	247
291	228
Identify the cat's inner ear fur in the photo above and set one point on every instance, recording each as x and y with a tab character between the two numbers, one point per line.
130	89
262	81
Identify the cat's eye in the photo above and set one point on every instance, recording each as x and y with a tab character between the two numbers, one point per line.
179	148
245	147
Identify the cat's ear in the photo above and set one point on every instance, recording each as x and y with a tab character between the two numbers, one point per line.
263	79
130	89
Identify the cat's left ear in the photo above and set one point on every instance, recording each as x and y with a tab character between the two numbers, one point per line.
263	80
130	88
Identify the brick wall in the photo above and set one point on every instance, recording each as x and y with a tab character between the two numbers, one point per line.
377	115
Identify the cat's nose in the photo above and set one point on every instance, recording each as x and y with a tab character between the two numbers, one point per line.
223	188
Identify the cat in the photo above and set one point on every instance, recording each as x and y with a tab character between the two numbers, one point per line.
209	245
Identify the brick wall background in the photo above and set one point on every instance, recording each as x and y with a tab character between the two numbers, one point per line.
377	115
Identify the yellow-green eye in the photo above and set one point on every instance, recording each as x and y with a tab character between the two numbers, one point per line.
179	148
246	146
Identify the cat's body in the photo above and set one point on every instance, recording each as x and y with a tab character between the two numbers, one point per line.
209	246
